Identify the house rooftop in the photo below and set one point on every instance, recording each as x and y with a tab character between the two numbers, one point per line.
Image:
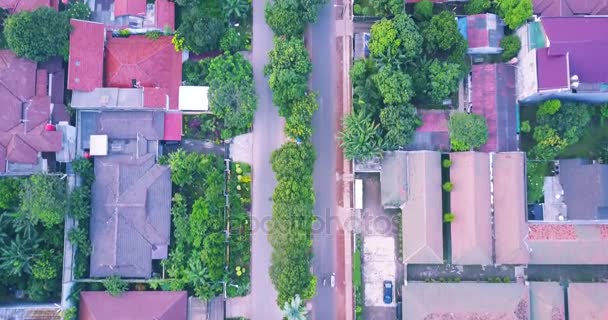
587	301
85	71
568	243
575	47
24	99
393	179
585	189
565	8
421	212
493	97
483	33
466	301
470	203
510	226
547	301
134	305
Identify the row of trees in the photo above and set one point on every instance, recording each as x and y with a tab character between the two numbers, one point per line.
197	260
80	210
31	235
411	63
290	231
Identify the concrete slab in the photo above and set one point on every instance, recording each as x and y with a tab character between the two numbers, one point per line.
241	148
378	266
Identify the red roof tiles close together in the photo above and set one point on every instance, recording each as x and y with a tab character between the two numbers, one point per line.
85	71
134	305
552	232
129	8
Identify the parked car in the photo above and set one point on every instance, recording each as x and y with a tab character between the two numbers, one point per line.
388	291
399	310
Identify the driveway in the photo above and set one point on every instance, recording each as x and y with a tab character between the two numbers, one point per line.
322	46
267	136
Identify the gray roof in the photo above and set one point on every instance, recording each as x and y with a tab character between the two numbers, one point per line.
123	98
422	214
131	215
121	125
393	179
585	189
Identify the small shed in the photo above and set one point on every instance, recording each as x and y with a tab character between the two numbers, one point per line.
194	99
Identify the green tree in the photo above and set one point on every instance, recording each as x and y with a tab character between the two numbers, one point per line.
536	172
423	10
443	80
199	32
236	9
442	33
548	108
43	199
514	12
289	17
195	73
365	93
467	131
387	7
115	286
232	95
231	42
287	73
394	87
26	37
84	168
360	137
293	160
399	123
395	43
510	45
47	265
9	193
79	10
477	6
569	122
548	143
18	257
294	310
299	123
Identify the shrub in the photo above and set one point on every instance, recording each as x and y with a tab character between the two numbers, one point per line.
446	163
448	217
467	131
79	10
477	6
510	45
153	35
124	33
230	41
423	10
506	280
115	285
84	168
525	126
448	186
548	108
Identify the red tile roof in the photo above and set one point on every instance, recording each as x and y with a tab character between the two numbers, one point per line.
153	64
21	142
129	8
85	71
164	14
14	6
134	305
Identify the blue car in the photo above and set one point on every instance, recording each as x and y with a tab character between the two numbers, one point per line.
388	292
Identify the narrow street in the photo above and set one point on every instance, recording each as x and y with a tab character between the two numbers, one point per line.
322	46
267	136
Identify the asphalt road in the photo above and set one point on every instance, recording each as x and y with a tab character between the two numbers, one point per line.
322	46
267	136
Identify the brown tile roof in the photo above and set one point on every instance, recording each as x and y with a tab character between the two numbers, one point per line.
21	141
131	215
547	301
421	213
510	208
85	71
470	203
567	243
466	301
588	301
134	305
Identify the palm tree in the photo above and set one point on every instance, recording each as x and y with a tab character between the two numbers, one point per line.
360	137
18	256
235	9
294	310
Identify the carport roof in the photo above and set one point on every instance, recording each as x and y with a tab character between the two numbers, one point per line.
510	208
470	203
547	301
422	214
463	301
588	300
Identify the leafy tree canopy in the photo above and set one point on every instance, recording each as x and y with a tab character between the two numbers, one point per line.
423	10
387	7
514	12
395	42
442	33
199	32
26	37
360	137
399	125
289	17
299	123
79	10
467	131
44	199
293	160
394	87
443	80
477	6
510	45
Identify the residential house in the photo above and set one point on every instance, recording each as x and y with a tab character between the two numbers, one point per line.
102	65
585	186
562	58
483	33
412	181
140	15
134	305
547	301
470	203
32	96
481	301
587	301
566	8
16	6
